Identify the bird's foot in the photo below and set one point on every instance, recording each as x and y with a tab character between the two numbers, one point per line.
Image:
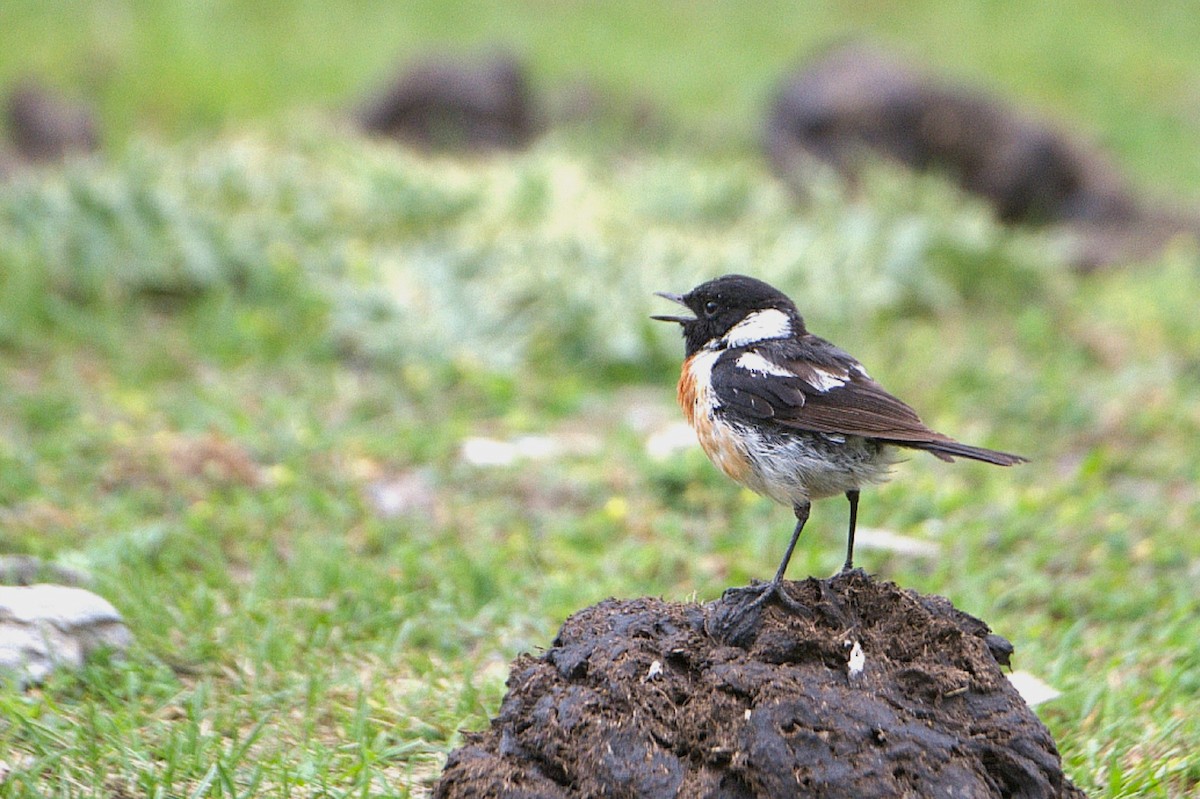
760	594
735	618
832	603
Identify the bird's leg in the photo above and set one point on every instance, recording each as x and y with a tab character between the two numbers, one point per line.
801	509
851	495
775	587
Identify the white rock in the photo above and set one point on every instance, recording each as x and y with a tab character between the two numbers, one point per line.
43	627
1033	689
673	438
410	492
483	451
879	538
857	660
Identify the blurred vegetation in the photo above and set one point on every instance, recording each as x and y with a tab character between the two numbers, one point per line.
1123	73
224	340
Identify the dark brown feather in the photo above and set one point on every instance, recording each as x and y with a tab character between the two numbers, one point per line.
829	392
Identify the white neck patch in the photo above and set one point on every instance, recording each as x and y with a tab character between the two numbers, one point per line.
759	326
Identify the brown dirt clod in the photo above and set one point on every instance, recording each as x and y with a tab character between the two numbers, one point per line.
647	698
858	101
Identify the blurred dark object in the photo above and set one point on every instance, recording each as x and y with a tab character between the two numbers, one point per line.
455	104
856	101
1142	237
8	162
45	126
585	105
858	98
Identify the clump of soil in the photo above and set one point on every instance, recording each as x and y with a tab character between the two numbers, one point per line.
856	100
453	103
44	127
877	692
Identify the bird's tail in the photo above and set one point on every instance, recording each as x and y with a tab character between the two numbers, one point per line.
949	449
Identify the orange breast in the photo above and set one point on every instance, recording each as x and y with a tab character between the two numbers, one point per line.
720	442
685	392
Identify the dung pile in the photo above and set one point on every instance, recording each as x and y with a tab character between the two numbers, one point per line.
878	692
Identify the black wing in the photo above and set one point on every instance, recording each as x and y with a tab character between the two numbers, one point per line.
809	384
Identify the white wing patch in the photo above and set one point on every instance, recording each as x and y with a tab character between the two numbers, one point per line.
754	362
823	381
759	326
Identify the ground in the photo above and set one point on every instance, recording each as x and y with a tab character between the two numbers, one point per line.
247	360
872	691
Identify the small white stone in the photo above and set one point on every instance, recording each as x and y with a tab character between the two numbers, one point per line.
46	626
857	660
1033	689
537	448
879	538
670	440
400	494
480	451
483	451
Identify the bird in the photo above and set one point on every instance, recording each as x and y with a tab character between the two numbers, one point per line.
786	413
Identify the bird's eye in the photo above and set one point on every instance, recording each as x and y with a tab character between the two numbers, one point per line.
710	308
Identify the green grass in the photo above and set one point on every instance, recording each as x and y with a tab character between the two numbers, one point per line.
203	429
1123	73
213	352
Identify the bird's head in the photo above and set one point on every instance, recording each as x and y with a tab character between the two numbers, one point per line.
734	311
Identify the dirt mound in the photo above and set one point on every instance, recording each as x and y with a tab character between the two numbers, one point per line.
44	127
857	100
879	692
454	103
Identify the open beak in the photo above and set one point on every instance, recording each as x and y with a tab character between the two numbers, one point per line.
666	295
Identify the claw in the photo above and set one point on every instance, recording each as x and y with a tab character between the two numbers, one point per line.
768	591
